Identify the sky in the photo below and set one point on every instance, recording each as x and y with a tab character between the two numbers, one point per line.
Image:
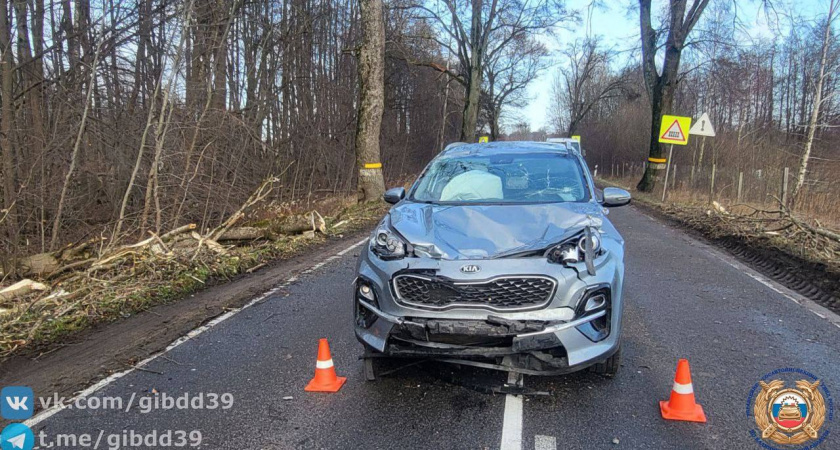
613	24
617	26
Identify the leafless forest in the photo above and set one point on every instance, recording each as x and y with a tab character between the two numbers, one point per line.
119	118
762	97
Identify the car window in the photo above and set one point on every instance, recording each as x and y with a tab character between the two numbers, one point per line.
503	178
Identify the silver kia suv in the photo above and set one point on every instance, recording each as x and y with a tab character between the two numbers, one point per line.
499	256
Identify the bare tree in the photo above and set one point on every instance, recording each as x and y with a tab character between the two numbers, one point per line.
584	79
481	30
662	85
6	124
508	75
371	57
833	7
263	85
76	146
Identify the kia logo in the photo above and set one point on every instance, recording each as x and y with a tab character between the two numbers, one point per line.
470	268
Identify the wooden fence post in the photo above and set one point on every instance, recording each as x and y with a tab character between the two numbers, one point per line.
674	178
785	186
712	185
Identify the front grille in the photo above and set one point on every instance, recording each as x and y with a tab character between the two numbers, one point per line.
503	293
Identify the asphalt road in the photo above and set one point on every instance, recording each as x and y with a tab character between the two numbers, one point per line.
684	299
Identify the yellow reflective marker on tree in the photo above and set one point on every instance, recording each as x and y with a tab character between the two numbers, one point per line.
483	139
674	130
373	165
576	137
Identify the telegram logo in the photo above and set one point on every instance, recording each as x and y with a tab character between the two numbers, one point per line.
17	436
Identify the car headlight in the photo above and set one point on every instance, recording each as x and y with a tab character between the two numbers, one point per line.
572	250
386	244
594	239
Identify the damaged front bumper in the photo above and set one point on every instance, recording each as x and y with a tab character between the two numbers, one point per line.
560	337
532	347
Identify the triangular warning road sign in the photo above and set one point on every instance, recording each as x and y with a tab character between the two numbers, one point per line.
673	133
703	127
674	130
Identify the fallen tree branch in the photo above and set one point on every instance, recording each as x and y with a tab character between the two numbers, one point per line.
20	289
259	195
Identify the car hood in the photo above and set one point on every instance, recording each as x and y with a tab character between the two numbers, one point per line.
489	231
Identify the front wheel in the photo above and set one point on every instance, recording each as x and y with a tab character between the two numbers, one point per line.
609	367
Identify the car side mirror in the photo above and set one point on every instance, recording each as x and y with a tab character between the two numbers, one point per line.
615	197
394	195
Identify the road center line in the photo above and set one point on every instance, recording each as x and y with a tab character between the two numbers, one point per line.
545	442
512	424
47	413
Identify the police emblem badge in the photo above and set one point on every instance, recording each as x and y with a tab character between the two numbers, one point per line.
789	416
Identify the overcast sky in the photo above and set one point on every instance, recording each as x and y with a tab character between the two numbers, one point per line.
618	27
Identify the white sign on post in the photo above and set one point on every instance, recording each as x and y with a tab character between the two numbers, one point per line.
702	127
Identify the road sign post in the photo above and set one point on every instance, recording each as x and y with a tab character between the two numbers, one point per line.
703	127
667	170
702	147
673	131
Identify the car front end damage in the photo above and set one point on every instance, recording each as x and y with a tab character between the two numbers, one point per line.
543	306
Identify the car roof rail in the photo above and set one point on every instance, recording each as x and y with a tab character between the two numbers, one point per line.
453	145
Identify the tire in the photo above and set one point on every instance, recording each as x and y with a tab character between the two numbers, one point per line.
609	367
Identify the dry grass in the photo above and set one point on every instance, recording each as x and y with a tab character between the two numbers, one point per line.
792	242
151	276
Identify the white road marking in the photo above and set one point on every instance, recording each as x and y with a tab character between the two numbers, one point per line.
780	289
512	425
545	442
47	413
349	249
789	294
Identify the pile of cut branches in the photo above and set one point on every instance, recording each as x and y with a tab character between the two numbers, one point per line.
83	284
805	238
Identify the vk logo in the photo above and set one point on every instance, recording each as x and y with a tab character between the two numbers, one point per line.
17	436
18	403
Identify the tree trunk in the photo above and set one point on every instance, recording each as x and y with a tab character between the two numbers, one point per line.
573	125
6	125
661	88
161	130
32	74
471	106
474	75
442	132
75	155
220	56
494	123
818	99
648	181
371	102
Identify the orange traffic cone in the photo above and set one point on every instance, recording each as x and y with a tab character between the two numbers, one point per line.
325	379
681	405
